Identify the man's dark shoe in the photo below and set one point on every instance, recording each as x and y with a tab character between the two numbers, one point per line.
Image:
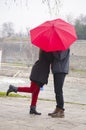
59	113
33	110
11	89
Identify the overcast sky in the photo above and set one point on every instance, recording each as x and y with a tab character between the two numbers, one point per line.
22	16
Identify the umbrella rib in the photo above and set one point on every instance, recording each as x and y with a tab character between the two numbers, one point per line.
60	38
41	33
62	30
64	45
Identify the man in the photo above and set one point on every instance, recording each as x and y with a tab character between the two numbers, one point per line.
60	67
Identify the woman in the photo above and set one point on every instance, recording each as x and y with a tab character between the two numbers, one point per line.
39	76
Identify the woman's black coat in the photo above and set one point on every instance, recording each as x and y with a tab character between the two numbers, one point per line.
41	68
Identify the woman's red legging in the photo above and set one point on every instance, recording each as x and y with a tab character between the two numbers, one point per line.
34	89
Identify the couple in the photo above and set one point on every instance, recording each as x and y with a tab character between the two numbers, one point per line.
59	63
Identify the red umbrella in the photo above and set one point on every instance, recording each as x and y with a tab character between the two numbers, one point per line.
53	35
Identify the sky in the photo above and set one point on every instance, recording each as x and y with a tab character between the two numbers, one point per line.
35	13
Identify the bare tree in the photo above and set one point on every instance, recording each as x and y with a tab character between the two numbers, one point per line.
7	29
70	19
53	5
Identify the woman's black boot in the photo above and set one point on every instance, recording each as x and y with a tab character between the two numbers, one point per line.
33	110
11	89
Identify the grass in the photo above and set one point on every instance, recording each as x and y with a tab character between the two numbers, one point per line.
25	65
3	94
78	70
15	64
16	39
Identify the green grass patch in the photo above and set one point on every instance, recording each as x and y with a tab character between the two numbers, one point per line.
13	64
3	94
77	70
16	39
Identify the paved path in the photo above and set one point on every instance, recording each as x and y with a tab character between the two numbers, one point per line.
14	112
14	115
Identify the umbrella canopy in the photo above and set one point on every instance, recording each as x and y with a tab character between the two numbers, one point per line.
53	35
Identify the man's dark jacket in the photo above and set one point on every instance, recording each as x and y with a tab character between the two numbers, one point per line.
60	63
